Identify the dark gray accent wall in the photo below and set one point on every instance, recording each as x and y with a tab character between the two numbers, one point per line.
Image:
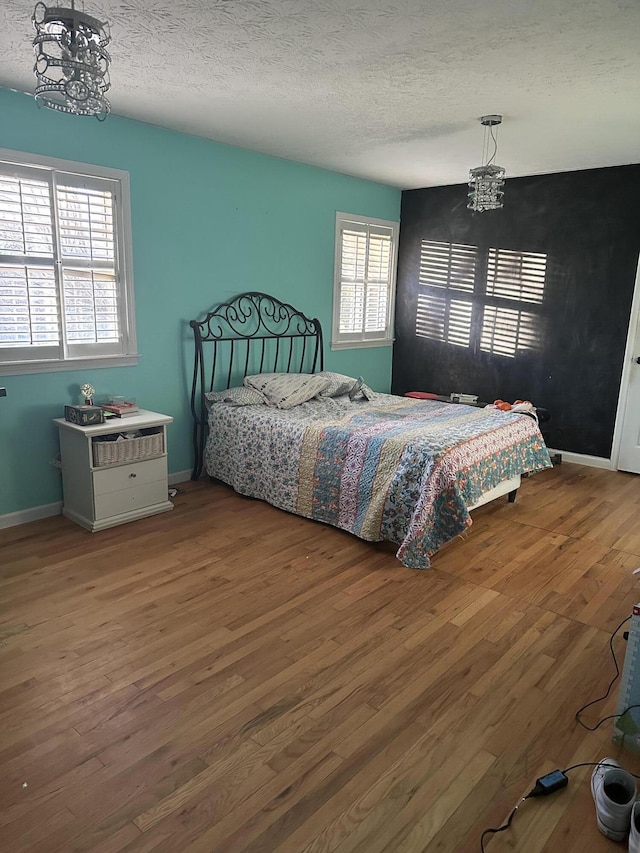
588	225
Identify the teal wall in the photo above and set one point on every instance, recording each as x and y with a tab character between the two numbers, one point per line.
209	221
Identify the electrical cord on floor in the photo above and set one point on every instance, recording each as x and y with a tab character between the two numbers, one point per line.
606	695
505	825
557	779
609	717
545	785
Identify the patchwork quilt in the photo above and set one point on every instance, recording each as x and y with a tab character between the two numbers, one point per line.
393	469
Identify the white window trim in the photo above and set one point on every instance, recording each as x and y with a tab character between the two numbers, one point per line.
341	342
372	342
125	260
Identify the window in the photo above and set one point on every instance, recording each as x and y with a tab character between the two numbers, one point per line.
66	285
365	281
489	301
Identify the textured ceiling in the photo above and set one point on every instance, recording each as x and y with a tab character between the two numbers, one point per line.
389	91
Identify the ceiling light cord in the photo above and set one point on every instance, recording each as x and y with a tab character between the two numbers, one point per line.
494	138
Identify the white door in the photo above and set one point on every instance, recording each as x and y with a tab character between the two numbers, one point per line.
629	455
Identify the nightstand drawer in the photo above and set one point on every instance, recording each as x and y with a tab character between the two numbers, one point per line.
120	477
125	500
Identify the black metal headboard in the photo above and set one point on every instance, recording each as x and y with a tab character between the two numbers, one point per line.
253	333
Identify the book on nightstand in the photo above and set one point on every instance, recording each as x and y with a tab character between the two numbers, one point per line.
120	410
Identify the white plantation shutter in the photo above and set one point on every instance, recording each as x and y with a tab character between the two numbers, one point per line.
28	294
378	291
85	222
89	272
25	216
65	289
90	306
28	307
351	308
366	254
353	264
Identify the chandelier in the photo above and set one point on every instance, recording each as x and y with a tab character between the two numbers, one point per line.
486	181
72	63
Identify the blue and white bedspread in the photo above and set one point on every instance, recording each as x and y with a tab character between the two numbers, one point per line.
394	469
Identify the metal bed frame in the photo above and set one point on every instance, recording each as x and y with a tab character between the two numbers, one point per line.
253	333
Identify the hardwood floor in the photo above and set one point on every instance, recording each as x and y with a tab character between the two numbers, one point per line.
227	677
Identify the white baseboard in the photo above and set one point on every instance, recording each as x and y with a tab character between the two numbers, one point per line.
583	459
34	513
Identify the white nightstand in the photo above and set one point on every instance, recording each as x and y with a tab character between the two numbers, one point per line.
107	483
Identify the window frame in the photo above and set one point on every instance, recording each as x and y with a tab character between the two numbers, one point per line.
355	340
18	359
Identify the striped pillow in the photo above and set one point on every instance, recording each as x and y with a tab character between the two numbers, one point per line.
338	384
286	390
236	397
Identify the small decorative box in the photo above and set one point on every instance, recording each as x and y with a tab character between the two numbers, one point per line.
84	415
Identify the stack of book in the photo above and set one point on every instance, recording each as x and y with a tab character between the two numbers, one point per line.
120	409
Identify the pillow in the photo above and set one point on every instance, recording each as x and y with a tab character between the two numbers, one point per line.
360	389
338	384
237	397
286	390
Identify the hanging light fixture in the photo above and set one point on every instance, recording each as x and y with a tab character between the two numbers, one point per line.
72	63
486	181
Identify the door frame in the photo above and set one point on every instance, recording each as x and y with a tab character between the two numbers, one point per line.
633	334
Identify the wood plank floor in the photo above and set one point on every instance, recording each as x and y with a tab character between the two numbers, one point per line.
227	677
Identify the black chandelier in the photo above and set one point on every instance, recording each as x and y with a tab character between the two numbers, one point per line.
72	62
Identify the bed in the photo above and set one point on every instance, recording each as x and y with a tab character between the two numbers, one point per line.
383	467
